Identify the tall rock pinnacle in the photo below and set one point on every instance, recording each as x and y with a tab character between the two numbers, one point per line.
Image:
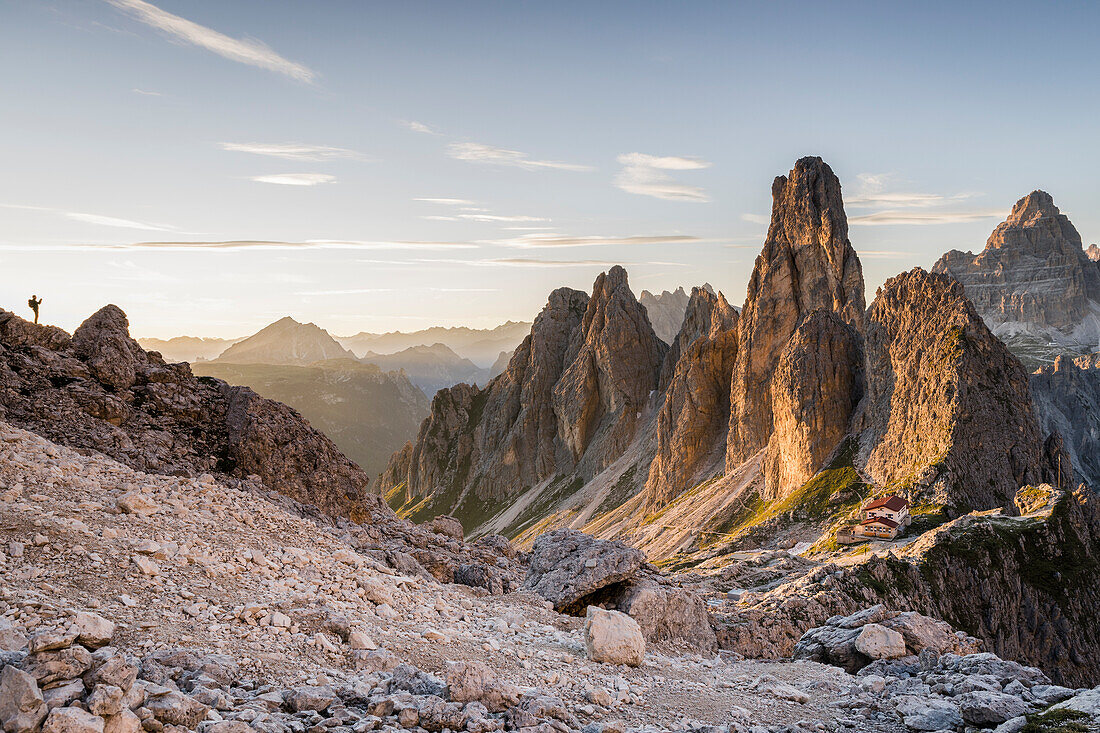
694	418
807	264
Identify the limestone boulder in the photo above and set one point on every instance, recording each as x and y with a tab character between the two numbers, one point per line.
613	637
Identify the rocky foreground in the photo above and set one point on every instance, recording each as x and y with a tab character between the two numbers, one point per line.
133	601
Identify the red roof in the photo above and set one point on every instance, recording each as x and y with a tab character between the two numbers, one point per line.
893	502
881	520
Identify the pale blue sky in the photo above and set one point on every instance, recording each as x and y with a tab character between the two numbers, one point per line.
414	163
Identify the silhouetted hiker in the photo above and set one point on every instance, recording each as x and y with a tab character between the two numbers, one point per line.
34	302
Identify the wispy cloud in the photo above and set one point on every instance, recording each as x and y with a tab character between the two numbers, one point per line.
251	52
114	221
363	291
447	202
349	291
882	254
420	127
146	92
646	175
553	240
908	208
242	244
494	218
487	154
292	151
893	218
756	219
474	213
98	219
531	262
903	200
295	179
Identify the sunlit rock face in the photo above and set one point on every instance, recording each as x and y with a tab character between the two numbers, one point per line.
807	264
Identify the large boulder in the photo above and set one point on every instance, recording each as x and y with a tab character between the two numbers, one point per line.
987	708
613	637
878	642
22	707
567	567
666	613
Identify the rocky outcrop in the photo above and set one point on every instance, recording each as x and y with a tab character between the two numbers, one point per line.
569	401
807	264
1026	586
1067	401
102	391
843	640
947	418
816	385
694	417
1033	278
167	421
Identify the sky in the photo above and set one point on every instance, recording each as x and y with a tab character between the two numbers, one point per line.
213	165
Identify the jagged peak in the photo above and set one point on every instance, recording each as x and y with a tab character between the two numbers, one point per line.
1035	205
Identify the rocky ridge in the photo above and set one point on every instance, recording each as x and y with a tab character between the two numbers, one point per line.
694	416
934	370
574	396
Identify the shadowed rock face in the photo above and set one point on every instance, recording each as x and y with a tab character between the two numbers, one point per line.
571	394
807	264
101	390
948	413
692	422
1033	270
613	362
817	383
1067	401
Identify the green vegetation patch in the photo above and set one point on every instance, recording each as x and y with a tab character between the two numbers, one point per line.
1059	720
623	489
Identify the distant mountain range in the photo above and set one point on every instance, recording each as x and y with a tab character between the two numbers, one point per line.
481	346
431	368
187	348
666	311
